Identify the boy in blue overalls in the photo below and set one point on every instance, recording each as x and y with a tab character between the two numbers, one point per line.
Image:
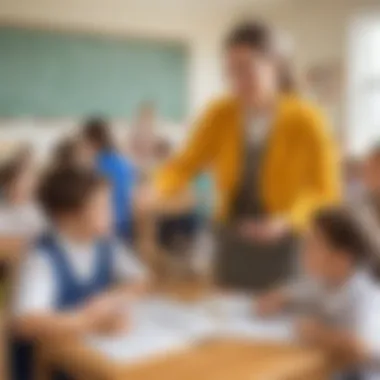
65	282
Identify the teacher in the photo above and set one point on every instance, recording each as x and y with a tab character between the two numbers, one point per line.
273	160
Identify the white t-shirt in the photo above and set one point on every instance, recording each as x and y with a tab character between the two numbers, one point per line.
20	220
258	128
36	289
354	306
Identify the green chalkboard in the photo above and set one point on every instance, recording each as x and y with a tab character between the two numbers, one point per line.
51	74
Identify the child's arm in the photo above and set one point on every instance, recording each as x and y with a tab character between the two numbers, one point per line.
36	325
272	302
11	247
34	313
66	324
345	343
277	300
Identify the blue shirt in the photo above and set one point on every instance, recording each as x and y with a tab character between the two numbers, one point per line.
122	176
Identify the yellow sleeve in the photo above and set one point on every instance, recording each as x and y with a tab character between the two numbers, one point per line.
199	150
324	177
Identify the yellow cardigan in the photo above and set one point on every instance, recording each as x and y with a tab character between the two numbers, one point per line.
300	170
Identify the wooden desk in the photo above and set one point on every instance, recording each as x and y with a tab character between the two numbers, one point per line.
218	360
214	360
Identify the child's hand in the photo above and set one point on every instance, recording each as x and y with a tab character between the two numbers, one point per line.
105	314
112	324
310	330
270	303
108	303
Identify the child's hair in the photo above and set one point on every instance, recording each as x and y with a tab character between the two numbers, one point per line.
65	153
344	231
97	132
10	171
66	189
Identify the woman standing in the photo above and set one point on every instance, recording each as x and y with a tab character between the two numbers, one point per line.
273	160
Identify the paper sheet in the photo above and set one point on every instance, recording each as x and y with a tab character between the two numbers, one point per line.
236	317
160	325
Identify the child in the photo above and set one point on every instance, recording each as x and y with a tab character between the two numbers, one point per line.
19	217
69	152
339	297
65	283
120	173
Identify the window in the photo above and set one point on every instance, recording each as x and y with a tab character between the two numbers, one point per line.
364	84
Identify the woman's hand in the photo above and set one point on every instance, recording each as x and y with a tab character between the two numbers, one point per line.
264	230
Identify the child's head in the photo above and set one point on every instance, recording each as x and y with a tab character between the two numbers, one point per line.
70	152
335	245
97	135
17	180
76	200
372	170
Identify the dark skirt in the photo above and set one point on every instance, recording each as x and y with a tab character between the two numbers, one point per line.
246	265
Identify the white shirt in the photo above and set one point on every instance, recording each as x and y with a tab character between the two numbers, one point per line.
258	128
20	220
36	289
354	306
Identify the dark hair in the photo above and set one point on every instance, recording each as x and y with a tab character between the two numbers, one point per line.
67	189
261	37
344	231
65	153
97	131
10	170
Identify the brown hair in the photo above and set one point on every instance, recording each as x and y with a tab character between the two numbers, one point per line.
261	37
67	189
344	231
65	153
10	171
97	132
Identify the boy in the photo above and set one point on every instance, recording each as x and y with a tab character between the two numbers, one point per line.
339	300
65	282
97	140
19	217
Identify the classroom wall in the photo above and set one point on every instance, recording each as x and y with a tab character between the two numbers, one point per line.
201	29
319	30
202	32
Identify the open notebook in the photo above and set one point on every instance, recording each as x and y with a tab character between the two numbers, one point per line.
161	325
